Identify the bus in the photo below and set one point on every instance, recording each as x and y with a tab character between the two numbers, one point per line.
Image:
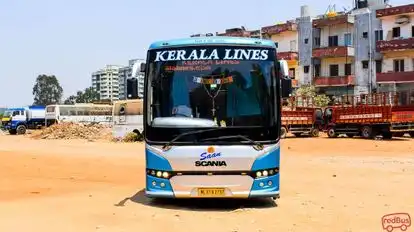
212	118
127	117
79	113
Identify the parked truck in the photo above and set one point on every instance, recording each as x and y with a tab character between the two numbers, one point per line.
18	120
380	114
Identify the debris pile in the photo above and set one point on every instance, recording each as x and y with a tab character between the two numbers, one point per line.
70	130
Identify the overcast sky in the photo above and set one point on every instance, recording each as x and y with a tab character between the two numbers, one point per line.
73	38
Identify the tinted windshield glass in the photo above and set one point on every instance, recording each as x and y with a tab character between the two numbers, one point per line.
232	92
232	86
7	114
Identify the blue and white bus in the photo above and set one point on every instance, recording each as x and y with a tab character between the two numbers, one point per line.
212	118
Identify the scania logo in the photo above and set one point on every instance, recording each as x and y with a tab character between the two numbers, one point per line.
210	163
210	154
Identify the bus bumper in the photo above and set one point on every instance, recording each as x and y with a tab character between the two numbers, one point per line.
234	186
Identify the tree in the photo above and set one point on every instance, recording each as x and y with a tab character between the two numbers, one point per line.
47	90
89	95
309	91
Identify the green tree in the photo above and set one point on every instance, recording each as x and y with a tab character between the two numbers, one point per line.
89	95
309	92
47	90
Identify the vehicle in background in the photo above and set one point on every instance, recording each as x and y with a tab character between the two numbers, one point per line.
127	117
369	116
18	120
79	113
212	118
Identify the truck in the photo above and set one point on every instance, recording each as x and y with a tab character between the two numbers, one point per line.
212	117
18	120
378	115
298	118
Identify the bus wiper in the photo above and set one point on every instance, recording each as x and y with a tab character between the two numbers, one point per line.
167	146
257	146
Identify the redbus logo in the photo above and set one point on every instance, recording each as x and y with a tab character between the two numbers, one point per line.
396	221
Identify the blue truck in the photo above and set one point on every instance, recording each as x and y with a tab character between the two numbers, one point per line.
18	120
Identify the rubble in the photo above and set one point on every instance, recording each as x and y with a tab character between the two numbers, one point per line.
71	130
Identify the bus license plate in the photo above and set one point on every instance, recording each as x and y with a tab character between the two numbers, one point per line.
211	192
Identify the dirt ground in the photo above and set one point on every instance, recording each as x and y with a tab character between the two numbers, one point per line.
326	185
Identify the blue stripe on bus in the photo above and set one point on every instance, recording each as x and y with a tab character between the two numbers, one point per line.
269	160
157	162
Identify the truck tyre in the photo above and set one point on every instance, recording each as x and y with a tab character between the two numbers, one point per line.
366	132
332	133
12	131
283	132
412	134
349	135
387	135
315	132
21	130
297	134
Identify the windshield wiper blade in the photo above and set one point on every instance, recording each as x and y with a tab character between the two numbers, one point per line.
257	146
167	146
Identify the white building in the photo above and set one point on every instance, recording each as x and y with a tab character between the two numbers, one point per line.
396	43
125	77
106	82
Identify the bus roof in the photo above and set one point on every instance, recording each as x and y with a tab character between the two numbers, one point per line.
211	41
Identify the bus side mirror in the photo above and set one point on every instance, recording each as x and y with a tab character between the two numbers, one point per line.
285	81
142	67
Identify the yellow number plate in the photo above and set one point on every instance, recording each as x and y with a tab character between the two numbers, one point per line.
211	192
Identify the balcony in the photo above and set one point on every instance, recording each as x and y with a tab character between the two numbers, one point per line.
395	45
329	52
397	10
334	81
279	28
287	55
395	77
330	21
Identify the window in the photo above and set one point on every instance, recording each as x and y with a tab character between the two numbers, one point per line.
412	31
292	73
378	35
378	66
317	41
348	69
365	64
334	70
317	70
306	69
365	34
306	41
398	65
333	41
348	39
396	32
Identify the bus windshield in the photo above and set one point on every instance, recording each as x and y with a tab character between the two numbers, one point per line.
233	86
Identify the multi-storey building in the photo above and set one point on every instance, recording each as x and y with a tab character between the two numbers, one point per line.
106	82
285	35
395	72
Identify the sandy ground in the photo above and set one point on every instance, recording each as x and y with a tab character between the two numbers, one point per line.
326	185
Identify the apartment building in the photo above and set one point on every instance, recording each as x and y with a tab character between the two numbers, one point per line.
106	82
395	71
285	35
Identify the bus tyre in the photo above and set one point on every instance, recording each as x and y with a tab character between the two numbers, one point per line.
366	132
283	132
21	130
315	132
332	133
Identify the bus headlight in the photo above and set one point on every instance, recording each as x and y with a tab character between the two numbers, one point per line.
159	174
266	172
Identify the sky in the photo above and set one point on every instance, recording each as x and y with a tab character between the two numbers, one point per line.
73	38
